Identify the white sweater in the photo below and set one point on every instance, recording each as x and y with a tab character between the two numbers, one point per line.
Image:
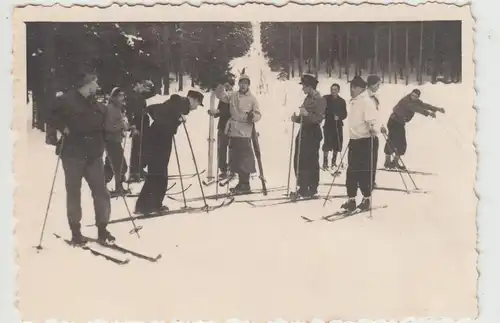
363	115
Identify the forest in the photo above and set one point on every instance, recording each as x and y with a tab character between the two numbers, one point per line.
400	52
121	53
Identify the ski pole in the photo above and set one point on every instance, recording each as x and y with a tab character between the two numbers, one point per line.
180	173
298	157
396	154
372	172
402	162
290	161
195	165
217	171
335	174
40	247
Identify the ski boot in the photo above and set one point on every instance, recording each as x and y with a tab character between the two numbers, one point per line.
77	238
104	237
365	204
389	164
400	167
240	189
134	178
121	191
349	206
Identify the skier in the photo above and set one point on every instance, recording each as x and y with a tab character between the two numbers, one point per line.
373	84
308	140
158	146
223	114
362	133
244	111
81	121
402	113
333	127
139	121
115	126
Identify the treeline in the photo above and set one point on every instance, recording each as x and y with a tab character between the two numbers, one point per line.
122	53
397	51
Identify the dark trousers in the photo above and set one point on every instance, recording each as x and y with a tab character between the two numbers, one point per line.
222	149
93	171
137	162
306	165
396	143
114	162
333	138
156	181
361	167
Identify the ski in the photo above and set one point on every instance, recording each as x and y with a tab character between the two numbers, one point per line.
93	249
226	181
258	156
115	246
381	188
225	195
181	191
412	172
186	176
343	214
288	200
168	189
226	202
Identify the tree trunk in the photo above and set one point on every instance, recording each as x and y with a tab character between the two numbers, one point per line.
389	59
434	60
340	53
395	64
419	68
407	61
181	63
301	55
347	58
375	68
289	70
317	50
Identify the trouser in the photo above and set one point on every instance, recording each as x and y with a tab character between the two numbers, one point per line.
306	165
156	180
361	167
333	136
93	171
114	162
222	149
137	162
396	143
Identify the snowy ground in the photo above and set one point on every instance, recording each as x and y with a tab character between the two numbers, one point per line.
416	258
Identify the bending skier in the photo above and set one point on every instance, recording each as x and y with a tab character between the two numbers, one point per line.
244	110
115	126
402	113
139	121
166	119
362	133
333	128
223	114
80	119
309	138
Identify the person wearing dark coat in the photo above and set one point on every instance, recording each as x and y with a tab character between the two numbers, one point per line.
223	113
139	121
81	119
333	128
402	113
166	117
308	140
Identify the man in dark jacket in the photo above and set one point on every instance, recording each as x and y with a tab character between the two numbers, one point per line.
158	146
402	113
139	121
223	114
306	162
333	127
81	121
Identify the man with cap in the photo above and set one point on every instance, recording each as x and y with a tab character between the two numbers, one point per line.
333	128
308	140
373	84
402	113
167	117
139	122
81	119
362	131
222	112
244	112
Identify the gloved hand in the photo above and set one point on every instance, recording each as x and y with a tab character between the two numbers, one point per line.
441	110
432	114
212	112
250	117
383	130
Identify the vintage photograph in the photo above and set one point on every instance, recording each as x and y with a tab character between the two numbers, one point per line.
183	163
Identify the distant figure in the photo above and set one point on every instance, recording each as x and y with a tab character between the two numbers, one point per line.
402	113
333	128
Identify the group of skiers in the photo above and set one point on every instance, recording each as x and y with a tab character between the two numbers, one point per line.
90	128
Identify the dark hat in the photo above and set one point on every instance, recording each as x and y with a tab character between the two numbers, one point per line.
416	91
357	81
372	80
308	80
196	95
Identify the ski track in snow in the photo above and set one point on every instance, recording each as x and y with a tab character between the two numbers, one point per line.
225	258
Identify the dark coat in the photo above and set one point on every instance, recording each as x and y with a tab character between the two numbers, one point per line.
84	118
223	115
406	108
136	110
334	107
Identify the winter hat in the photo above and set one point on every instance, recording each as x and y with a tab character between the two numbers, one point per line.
357	81
244	77
417	92
372	80
308	80
196	95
